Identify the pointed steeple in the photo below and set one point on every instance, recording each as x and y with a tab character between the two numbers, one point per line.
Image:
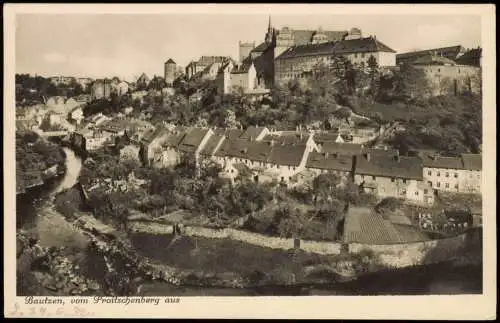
270	32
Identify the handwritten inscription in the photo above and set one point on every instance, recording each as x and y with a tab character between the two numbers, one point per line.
44	311
75	306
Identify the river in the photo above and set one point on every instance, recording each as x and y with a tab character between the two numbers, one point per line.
35	208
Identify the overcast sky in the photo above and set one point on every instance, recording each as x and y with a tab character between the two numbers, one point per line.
97	45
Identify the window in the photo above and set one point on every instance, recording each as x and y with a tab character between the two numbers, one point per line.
438	184
430	183
392	179
438	174
373	177
429	173
447	174
404	181
455	175
456	186
439	70
426	191
447	185
416	193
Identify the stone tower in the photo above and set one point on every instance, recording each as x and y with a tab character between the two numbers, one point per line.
284	40
244	49
170	72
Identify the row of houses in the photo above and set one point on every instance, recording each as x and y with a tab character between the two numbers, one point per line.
295	158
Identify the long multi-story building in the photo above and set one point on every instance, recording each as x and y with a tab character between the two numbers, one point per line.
288	53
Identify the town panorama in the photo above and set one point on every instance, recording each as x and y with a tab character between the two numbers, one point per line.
313	162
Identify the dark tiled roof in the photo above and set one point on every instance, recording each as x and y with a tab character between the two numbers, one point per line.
211	144
380	152
471	57
252	132
348	149
229	133
170	61
207	60
308	50
114	125
240	148
390	166
244	67
174	139
431	59
287	139
324	137
435	161
153	134
361	45
472	161
262	47
303	37
330	161
450	52
193	139
289	155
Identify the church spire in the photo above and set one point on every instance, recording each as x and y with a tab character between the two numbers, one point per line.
269	27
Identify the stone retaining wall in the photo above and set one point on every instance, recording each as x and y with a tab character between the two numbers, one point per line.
393	255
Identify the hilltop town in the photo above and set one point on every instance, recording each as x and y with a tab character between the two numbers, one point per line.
315	135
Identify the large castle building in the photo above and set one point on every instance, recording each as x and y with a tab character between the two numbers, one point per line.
289	53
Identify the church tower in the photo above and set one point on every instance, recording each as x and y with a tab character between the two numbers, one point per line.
270	33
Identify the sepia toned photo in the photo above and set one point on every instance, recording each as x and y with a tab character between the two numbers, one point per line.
248	154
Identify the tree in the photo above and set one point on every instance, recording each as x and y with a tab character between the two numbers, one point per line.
374	76
411	82
157	83
324	186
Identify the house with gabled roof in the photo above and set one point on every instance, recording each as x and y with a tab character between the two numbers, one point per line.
271	159
331	163
392	176
459	174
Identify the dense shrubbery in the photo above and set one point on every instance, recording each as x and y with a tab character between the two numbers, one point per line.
36	154
32	89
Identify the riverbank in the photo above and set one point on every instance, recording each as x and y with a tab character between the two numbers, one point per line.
229	266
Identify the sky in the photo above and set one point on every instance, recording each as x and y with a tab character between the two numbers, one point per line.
124	45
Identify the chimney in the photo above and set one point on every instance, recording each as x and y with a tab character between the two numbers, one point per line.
326	155
397	158
271	143
301	136
367	155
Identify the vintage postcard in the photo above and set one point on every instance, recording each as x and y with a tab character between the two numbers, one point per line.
250	161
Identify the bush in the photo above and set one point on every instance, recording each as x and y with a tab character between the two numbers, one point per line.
388	204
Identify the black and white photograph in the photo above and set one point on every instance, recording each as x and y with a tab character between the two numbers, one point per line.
249	154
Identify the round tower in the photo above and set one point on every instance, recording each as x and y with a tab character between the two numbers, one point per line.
170	70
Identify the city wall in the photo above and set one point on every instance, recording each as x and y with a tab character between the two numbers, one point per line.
394	255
